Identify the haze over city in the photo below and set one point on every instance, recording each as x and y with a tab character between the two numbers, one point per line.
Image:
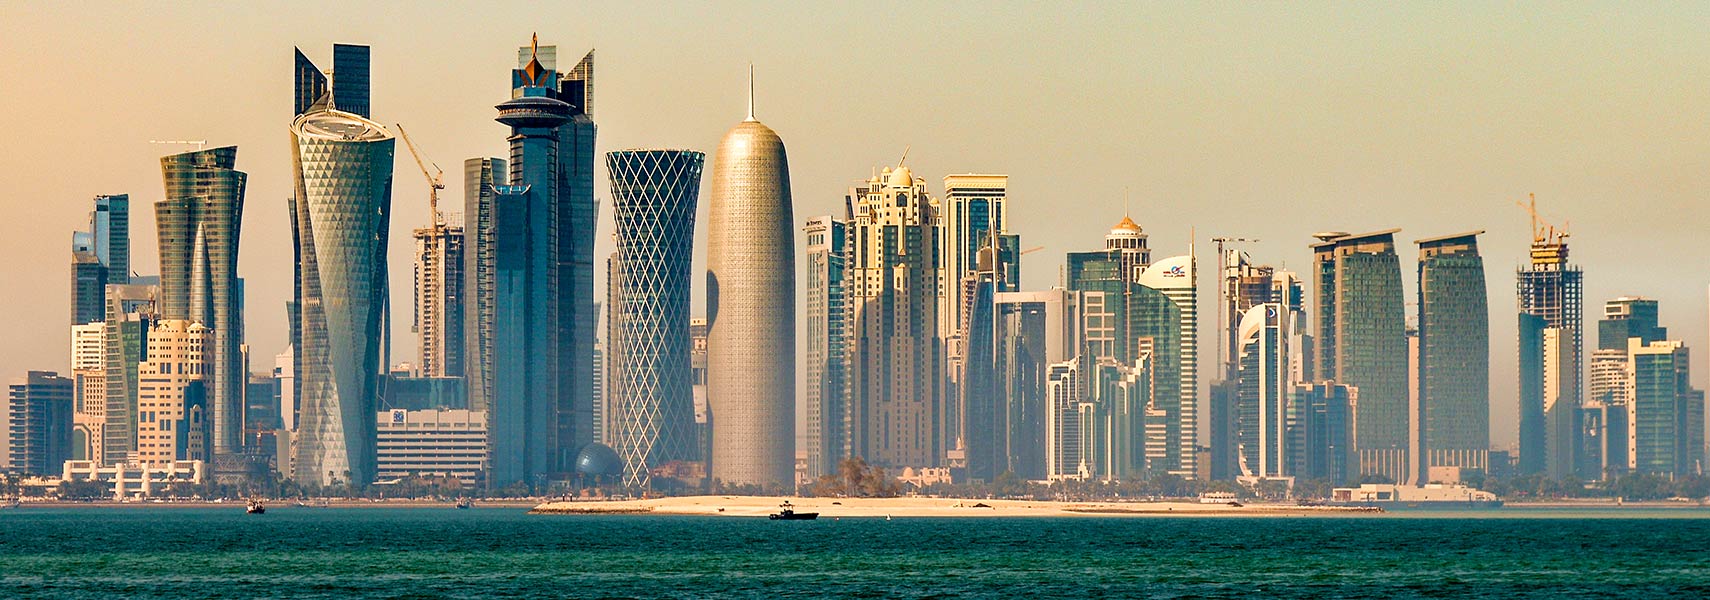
1269	122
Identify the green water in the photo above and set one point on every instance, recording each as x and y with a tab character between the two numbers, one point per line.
504	553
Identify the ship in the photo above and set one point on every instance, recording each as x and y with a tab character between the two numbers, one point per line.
787	512
1430	496
465	503
255	507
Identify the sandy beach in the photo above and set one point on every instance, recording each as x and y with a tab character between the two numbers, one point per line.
760	506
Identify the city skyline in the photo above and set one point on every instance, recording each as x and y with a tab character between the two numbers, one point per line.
1612	227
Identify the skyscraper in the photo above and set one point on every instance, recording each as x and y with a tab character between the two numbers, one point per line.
1604	412
481	176
88	285
342	164
1550	291
1664	431
1454	359
199	223
1242	285
172	400
524	406
1264	346
827	349
100	256
1035	330
439	297
1360	341
973	215
131	309
751	299
896	373
1176	279
651	409
38	423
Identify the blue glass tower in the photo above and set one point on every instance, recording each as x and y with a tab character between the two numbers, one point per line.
523	411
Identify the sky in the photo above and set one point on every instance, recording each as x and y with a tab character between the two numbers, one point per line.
1259	120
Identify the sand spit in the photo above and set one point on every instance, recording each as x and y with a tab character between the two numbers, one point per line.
828	508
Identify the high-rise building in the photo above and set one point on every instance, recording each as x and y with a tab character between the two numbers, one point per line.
172	398
481	176
525	375
1603	414
1360	341
973	214
651	408
439	297
698	385
343	171
827	351
38	423
88	286
199	223
110	235
1099	424
1322	435
578	322
751	299
1550	295
599	405
1266	347
89	381
1664	429
1035	330
131	308
1454	360
896	368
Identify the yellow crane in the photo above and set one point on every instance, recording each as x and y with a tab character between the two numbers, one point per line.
436	180
1542	231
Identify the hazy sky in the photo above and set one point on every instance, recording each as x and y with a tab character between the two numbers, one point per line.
1265	120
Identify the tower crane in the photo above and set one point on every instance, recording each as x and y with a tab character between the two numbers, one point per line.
1541	231
436	179
1226	300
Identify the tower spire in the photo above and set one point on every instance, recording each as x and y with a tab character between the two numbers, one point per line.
750	91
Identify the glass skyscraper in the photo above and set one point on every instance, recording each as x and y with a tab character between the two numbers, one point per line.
524	407
1550	293
481	176
650	405
343	170
1454	357
1361	341
827	348
199	223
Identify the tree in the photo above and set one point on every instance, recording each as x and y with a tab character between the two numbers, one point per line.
84	489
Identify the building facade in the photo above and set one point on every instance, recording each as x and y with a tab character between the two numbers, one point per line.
343	169
751	299
172	394
1360	340
654	194
199	224
1550	293
1453	419
827	352
431	443
438	315
896	374
38	423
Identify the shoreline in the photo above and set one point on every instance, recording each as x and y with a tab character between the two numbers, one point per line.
270	504
836	508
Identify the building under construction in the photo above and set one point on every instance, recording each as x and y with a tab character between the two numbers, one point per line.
1550	293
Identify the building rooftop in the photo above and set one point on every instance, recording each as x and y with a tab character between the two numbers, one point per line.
339	126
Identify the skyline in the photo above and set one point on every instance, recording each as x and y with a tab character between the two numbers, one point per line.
1196	171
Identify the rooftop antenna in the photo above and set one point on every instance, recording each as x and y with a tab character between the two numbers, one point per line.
751	91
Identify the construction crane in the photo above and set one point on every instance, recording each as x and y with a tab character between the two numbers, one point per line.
199	143
1032	250
1542	231
436	180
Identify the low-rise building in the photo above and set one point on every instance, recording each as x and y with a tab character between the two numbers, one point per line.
439	443
136	480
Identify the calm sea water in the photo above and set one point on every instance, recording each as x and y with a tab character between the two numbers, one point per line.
492	552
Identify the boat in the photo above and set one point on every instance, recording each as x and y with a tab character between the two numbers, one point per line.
255	507
787	512
465	503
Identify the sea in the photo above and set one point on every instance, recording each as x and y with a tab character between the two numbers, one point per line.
343	553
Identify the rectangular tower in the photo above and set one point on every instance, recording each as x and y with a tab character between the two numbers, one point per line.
1454	359
827	351
1551	289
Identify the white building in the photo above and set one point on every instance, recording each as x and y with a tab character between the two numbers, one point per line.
440	443
133	480
172	394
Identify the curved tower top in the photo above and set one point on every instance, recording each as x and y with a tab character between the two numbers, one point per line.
751	350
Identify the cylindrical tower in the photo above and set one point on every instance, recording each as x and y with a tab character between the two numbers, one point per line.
651	407
751	307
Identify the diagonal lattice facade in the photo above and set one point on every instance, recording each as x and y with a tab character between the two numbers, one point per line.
654	193
343	165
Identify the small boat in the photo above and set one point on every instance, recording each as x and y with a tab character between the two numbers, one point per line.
787	512
465	503
255	508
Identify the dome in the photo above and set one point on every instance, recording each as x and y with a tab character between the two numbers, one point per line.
901	178
1126	228
598	459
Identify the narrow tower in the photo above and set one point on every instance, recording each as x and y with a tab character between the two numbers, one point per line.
751	343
